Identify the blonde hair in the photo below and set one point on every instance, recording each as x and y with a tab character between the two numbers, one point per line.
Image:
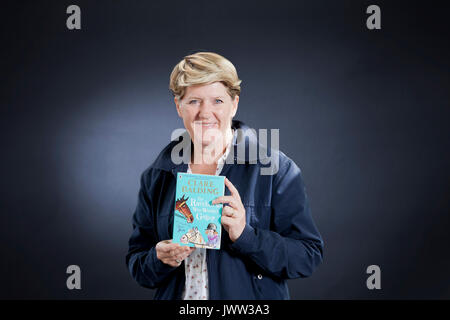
204	68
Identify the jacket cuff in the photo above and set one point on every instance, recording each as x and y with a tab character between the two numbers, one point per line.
160	269
247	240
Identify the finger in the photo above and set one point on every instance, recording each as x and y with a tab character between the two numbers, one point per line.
176	251
189	250
180	257
174	263
163	247
184	250
226	221
176	257
175	245
186	254
166	246
222	199
230	200
173	250
179	251
232	188
229	211
172	247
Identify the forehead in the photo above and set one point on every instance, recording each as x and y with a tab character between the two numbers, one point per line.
206	90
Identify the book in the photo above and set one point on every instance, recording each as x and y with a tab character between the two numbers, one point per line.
197	223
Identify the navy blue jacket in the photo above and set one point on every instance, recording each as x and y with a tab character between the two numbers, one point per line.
279	242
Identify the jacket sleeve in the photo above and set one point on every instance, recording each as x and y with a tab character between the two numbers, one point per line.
293	247
141	259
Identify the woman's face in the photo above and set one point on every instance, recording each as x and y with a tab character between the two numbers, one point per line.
207	111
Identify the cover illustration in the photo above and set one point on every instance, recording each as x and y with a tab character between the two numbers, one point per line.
197	222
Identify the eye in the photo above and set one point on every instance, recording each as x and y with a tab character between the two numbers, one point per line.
192	101
219	101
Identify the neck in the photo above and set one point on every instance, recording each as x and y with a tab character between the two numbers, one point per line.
210	154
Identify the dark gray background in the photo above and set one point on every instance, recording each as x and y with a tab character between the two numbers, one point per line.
363	113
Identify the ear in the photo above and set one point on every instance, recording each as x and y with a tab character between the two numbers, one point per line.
235	105
177	105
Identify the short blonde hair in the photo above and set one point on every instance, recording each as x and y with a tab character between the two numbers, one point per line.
204	68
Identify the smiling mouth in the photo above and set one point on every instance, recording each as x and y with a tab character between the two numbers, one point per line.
208	125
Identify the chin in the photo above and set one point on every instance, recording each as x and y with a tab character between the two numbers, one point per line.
206	143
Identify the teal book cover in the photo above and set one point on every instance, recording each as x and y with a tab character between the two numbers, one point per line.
197	222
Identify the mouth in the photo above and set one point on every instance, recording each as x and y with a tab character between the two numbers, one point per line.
207	125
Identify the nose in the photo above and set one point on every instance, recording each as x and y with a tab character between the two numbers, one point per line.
205	110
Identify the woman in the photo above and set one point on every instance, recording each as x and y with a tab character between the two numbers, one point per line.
269	235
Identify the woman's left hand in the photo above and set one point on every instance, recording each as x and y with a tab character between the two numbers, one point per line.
233	215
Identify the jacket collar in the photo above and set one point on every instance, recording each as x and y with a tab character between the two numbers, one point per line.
244	138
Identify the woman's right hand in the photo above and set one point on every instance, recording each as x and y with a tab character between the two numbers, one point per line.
172	253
